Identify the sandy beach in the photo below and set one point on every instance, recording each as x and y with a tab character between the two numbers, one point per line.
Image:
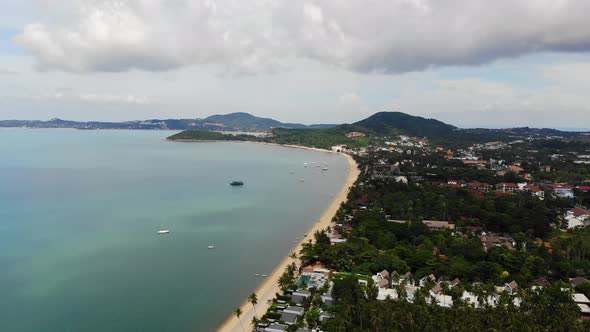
269	286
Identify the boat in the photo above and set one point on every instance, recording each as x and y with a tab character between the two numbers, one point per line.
236	183
211	247
163	231
301	180
256	275
325	169
264	275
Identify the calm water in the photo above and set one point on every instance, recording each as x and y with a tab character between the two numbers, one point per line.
79	211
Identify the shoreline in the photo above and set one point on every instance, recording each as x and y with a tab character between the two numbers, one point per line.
269	287
256	142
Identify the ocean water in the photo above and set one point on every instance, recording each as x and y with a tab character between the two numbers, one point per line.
79	211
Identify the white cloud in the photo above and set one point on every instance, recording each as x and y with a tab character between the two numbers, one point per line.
110	98
265	35
67	94
478	102
350	106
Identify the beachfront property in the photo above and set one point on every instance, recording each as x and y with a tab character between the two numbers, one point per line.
290	315
276	328
299	297
436	291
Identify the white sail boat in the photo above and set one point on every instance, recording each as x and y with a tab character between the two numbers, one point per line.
163	231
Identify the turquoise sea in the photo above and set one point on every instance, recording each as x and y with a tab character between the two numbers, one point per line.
79	211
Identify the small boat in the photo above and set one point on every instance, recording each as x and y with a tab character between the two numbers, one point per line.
325	169
236	183
163	230
301	180
211	247
264	275
256	275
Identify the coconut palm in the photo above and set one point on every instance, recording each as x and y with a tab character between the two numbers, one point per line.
238	313
255	321
254	300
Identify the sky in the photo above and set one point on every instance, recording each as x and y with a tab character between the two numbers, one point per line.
476	63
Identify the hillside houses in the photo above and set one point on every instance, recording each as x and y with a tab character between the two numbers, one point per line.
535	191
576	218
436	225
507	187
491	239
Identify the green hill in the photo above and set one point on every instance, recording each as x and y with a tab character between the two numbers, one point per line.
388	123
376	128
378	125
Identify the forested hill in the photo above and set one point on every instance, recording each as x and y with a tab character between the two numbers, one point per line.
387	123
380	126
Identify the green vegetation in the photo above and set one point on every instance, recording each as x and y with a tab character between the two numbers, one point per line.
383	228
203	135
319	138
357	309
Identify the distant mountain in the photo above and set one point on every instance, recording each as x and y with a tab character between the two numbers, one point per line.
227	122
245	121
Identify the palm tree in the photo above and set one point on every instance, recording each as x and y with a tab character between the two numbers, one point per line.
254	300
293	255
255	321
238	313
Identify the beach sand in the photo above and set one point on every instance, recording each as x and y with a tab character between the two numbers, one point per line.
269	287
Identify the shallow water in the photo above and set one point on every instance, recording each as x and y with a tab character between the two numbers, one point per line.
79	211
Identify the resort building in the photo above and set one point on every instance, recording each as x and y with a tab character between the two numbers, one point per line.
355	134
276	328
290	315
438	225
478	186
577	217
507	187
300	296
535	191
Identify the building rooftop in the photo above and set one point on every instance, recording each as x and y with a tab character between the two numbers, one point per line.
276	328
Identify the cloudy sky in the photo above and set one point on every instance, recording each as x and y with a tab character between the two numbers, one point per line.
497	63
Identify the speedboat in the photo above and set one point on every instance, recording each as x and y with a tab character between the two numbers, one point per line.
163	231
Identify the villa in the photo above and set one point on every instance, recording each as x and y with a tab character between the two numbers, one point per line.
276	328
300	296
291	314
